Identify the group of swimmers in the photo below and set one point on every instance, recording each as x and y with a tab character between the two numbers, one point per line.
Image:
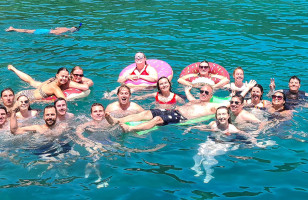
229	115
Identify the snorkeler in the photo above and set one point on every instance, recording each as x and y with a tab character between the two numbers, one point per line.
49	128
61	107
124	106
56	31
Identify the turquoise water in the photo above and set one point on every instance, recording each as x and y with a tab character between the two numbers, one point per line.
267	38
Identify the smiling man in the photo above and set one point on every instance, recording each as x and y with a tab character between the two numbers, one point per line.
124	106
7	97
61	107
194	109
3	118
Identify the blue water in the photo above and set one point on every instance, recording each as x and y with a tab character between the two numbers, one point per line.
267	38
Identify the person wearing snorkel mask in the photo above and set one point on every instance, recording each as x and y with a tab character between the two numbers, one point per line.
56	31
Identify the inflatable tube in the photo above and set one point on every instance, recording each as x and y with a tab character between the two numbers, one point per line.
187	122
214	69
71	94
162	68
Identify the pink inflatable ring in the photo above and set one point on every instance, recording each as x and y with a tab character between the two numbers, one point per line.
162	68
214	69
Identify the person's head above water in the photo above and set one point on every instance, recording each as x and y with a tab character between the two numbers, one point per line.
294	84
222	115
204	67
61	106
62	75
206	93
97	112
238	74
50	115
140	59
124	94
163	83
7	97
77	74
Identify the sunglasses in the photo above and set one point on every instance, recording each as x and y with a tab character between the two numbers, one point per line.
278	97
26	102
203	67
204	91
139	57
80	75
235	102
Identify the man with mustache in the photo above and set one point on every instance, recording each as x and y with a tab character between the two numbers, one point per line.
61	107
49	128
7	97
124	106
3	118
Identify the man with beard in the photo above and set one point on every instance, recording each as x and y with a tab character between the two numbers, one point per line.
61	107
193	109
7	97
49	128
3	118
294	96
124	106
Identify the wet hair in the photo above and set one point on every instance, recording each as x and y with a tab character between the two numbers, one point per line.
72	71
204	61
50	106
284	96
62	69
241	98
228	110
123	86
28	100
97	104
3	108
237	69
10	89
295	77
157	84
260	87
144	57
58	99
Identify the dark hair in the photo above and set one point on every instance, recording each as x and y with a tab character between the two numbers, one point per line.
237	69
284	97
58	99
260	87
97	104
50	106
157	84
10	89
204	61
62	69
239	96
295	77
4	108
224	107
123	86
28	100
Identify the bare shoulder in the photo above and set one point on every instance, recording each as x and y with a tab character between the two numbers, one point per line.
112	106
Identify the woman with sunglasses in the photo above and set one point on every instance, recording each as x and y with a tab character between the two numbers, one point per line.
256	94
24	109
278	108
77	76
164	97
83	85
141	71
204	72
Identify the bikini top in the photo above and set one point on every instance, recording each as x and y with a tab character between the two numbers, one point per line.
172	101
143	71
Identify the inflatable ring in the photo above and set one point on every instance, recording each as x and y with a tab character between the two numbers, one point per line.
214	69
162	68
71	94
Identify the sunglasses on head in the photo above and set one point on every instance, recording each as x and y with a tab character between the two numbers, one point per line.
235	102
80	75
205	92
203	67
278	97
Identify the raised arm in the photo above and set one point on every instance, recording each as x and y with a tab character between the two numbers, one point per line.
189	96
21	130
183	81
250	85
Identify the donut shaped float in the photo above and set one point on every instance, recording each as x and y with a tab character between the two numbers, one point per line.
71	94
214	69
162	68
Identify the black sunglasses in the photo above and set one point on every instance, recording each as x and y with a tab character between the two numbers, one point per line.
235	102
80	75
26	102
204	91
278	97
203	67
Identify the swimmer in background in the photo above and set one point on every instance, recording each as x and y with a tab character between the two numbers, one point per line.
56	31
4	125
124	106
164	97
238	86
204	68
256	94
61	107
50	128
141	71
75	82
294	96
8	99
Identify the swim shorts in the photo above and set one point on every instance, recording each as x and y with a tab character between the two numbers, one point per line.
42	31
168	116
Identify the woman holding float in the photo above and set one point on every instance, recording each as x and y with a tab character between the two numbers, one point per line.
164	97
142	71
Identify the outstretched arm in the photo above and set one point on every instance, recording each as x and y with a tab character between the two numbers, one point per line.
25	77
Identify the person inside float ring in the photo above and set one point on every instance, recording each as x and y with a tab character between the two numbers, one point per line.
256	94
204	68
164	95
77	76
36	84
142	71
238	86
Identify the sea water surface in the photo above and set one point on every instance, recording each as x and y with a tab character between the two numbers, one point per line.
268	39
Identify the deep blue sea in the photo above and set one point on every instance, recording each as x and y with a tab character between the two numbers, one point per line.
268	39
